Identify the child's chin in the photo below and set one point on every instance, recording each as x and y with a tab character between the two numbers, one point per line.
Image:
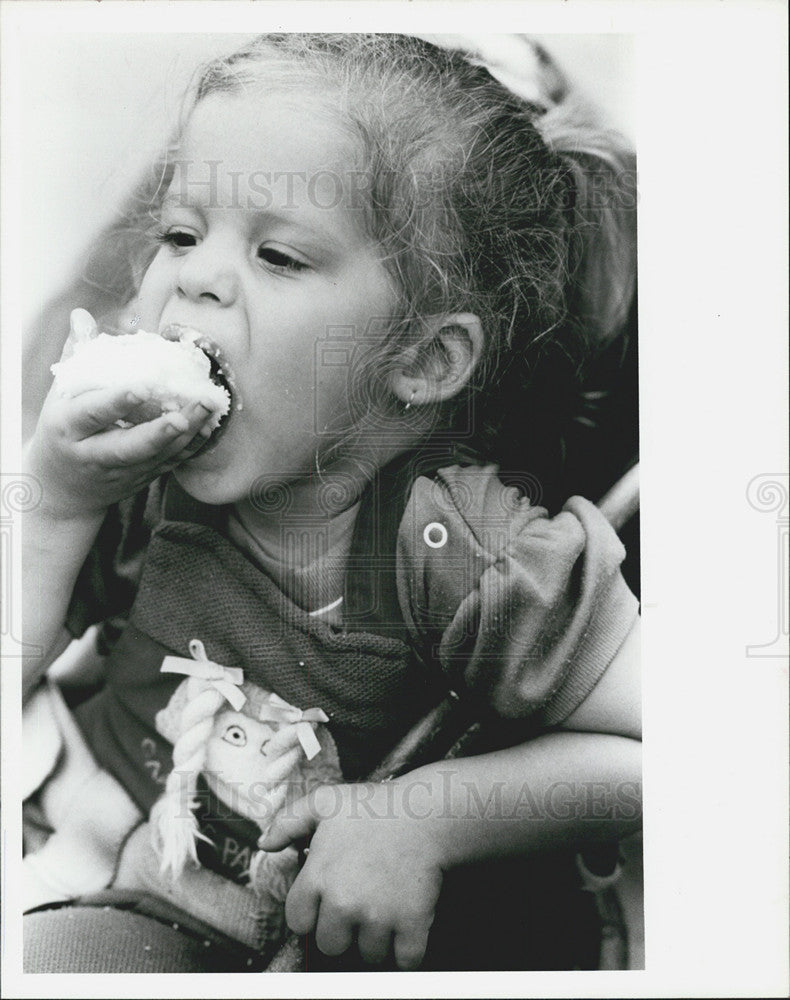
203	484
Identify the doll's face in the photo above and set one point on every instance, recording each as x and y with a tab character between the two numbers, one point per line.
264	254
238	750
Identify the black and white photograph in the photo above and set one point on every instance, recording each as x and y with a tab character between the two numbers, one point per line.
354	492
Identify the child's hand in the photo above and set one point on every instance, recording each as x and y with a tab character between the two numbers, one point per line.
373	871
85	463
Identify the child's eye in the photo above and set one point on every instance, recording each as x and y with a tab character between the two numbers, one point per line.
176	239
236	736
279	261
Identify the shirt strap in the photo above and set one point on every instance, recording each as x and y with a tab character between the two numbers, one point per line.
371	591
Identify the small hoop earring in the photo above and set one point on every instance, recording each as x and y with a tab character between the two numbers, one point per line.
408	405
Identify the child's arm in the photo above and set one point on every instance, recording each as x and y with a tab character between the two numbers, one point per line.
84	464
615	703
378	851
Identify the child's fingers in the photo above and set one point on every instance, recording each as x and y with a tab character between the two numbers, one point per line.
301	905
153	442
410	945
139	445
334	932
82	327
100	408
300	822
178	437
195	441
185	446
373	941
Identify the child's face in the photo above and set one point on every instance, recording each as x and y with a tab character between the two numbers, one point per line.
264	254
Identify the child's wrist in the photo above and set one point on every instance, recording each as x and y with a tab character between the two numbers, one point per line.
424	799
57	505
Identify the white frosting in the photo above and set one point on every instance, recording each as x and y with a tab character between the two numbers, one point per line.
173	372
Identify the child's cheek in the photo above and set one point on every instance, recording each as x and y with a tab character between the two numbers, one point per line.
156	286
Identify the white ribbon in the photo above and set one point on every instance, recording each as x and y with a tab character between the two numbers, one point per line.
512	59
276	709
226	680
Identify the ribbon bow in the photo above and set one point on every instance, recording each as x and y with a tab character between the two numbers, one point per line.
226	680
276	709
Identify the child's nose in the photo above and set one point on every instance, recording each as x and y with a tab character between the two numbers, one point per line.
208	274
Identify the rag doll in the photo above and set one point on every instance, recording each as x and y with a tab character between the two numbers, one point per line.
255	754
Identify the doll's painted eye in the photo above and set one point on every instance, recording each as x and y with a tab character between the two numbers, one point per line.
236	736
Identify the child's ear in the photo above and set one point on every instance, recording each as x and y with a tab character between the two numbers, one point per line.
441	364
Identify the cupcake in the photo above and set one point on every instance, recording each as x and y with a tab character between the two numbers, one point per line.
172	371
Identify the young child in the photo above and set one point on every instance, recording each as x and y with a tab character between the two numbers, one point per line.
402	268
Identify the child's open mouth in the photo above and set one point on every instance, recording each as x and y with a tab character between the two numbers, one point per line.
220	374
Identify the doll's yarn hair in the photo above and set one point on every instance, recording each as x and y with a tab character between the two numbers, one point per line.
187	721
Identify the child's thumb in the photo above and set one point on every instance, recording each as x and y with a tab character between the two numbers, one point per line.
297	821
82	327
